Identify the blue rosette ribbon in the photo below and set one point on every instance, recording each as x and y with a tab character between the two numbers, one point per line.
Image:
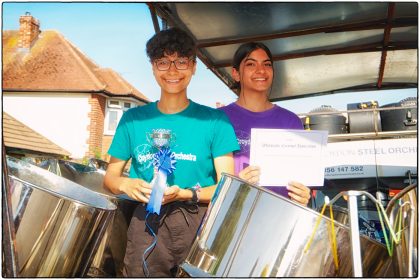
164	161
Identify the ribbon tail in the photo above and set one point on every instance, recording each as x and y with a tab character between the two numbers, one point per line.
158	188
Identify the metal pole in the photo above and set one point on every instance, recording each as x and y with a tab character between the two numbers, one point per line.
9	264
354	233
411	242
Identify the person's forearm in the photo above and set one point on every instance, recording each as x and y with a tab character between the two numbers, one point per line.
114	183
206	194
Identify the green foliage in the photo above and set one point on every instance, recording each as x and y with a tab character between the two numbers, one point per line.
97	153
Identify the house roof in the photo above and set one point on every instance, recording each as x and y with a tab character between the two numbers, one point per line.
58	66
17	135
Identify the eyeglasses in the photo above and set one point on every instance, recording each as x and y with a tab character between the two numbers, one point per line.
165	64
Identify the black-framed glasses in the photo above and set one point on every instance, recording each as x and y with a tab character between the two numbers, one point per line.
180	63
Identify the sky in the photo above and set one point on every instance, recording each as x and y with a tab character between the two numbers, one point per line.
114	35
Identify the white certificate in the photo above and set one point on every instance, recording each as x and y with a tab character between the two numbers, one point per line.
286	155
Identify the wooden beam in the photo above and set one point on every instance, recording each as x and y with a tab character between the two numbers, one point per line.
154	17
373	47
387	33
377	24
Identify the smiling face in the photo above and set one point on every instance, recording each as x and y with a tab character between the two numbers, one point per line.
174	81
255	72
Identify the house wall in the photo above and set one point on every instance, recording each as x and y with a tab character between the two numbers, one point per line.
106	143
63	118
96	126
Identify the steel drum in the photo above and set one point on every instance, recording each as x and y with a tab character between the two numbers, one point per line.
109	258
369	224
58	224
249	231
405	257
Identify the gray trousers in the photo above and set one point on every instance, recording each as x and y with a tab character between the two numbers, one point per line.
175	227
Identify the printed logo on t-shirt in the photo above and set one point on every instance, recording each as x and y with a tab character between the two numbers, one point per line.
244	141
182	156
144	156
144	153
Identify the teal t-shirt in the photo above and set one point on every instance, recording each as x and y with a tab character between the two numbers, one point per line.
198	135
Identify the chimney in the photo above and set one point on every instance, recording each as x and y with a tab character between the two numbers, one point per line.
219	105
28	31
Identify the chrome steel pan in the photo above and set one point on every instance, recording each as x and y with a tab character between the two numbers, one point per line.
251	232
58	223
405	256
109	258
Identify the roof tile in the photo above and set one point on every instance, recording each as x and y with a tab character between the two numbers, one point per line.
54	64
18	135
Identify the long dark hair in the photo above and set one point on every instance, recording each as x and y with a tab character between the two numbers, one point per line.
243	52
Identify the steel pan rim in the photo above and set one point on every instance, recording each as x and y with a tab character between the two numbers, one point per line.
268	191
399	195
64	188
112	197
101	191
110	204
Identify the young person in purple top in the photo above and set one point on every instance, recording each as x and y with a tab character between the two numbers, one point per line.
252	69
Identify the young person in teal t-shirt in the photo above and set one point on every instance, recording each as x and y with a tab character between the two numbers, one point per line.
202	141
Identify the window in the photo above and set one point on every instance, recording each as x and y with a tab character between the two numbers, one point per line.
113	120
114	112
114	104
127	105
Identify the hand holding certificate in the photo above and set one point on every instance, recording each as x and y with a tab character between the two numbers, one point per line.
289	155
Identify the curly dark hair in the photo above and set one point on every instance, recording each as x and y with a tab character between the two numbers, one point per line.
171	41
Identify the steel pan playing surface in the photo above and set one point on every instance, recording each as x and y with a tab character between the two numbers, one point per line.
251	232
